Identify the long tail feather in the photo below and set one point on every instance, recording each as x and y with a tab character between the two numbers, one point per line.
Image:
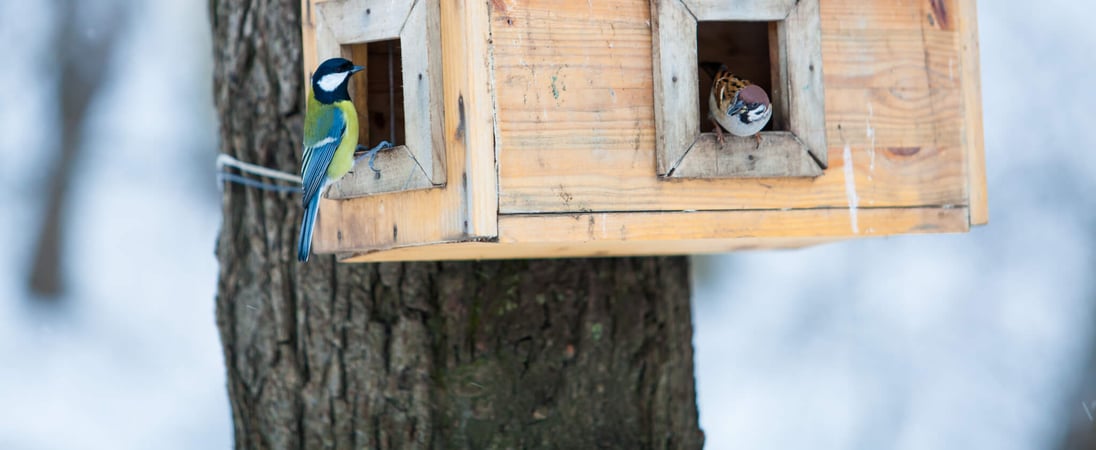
304	241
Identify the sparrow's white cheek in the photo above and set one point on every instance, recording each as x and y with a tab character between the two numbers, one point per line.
331	81
759	114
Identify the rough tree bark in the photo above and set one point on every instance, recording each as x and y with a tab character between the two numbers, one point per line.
506	354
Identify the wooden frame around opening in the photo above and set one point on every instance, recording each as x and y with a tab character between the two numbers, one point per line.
420	162
466	207
682	151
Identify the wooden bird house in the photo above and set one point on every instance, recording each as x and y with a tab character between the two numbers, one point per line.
560	128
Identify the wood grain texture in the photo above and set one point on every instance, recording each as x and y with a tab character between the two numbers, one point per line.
373	97
359	21
464	209
643	233
359	89
422	87
799	94
800	40
903	133
494	250
740	10
340	28
780	154
398	172
308	39
974	137
675	84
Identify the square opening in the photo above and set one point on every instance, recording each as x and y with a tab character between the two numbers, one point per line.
775	44
398	96
746	49
380	112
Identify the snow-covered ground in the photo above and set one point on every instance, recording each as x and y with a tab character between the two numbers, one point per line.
958	341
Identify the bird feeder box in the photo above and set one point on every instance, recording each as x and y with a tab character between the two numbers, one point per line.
548	128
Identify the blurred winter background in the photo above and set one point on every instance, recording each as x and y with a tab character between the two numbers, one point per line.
983	340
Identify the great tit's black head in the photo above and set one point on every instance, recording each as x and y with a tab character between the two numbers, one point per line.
330	79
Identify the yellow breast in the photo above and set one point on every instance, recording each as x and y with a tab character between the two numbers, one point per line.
344	155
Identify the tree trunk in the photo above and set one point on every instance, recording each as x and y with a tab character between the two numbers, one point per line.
81	76
590	353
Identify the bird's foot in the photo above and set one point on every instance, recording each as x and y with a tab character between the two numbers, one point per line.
758	137
718	132
372	153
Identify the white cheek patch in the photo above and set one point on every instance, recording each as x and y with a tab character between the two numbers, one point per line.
331	81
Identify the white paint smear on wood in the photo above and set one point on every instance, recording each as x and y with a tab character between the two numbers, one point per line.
850	189
871	137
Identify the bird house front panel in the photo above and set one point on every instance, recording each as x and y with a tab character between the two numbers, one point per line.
579	111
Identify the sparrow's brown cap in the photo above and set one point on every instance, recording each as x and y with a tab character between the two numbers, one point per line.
753	94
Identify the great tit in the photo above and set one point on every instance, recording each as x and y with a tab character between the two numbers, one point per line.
330	138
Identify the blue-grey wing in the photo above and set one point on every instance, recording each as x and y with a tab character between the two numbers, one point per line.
319	153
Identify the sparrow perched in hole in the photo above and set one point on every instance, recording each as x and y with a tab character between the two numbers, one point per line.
735	104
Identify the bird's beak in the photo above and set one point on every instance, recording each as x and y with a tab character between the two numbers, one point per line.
356	69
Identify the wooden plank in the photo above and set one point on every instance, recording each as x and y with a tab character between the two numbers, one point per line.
459	211
801	40
422	83
672	226
359	21
432	78
624	234
469	87
903	151
779	154
883	176
973	134
778	91
900	64
308	39
740	10
894	117
398	172
327	45
676	97
493	250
